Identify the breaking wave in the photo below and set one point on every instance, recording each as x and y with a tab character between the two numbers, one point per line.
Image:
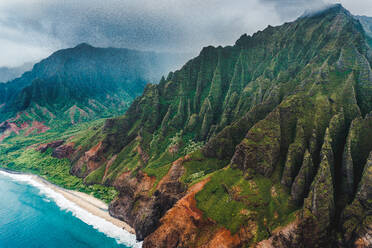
120	235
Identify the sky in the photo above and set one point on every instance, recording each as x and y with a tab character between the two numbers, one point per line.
33	29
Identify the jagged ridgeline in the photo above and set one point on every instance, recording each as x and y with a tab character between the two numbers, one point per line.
82	83
264	142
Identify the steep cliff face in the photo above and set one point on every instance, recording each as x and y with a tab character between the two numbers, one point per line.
264	143
141	209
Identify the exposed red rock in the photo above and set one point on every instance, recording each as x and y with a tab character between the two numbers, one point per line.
223	239
185	226
8	127
170	182
64	151
284	237
138	206
179	225
37	126
44	147
92	159
108	165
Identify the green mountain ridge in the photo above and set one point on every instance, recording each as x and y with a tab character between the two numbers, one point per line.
80	84
262	144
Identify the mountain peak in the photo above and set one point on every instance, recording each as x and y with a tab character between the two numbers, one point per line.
325	10
84	45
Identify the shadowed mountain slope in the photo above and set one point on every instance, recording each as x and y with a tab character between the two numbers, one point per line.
79	84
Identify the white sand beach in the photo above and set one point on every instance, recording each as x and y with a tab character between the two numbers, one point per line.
87	202
85	207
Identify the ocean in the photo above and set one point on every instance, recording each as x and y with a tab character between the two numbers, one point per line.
34	216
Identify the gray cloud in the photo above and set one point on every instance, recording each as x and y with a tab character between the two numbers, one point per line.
32	29
290	9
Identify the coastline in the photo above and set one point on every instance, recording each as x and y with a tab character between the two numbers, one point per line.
82	200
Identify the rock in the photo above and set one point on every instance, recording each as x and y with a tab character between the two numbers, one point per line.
137	207
357	217
295	156
319	206
4	126
64	151
347	172
133	201
54	144
90	161
303	180
181	226
260	149
289	236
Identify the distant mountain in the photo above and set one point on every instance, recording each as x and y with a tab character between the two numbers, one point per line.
82	83
9	73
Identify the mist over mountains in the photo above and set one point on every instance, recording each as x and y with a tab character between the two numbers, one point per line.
83	83
7	74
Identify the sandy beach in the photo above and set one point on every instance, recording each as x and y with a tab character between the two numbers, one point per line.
87	202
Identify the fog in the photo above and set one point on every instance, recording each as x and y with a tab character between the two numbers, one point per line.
32	29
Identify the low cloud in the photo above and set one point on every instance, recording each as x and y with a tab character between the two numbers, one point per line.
32	29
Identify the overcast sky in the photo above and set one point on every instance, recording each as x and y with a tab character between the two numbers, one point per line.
32	29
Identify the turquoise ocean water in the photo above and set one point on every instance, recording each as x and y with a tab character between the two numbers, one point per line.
35	217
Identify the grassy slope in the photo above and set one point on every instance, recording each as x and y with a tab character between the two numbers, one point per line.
18	153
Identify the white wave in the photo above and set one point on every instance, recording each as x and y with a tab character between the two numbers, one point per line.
120	235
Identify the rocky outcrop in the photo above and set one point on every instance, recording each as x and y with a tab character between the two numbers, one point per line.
260	149
133	204
4	126
184	225
294	157
89	161
136	206
319	206
289	236
16	126
179	227
302	182
357	217
64	151
59	149
44	147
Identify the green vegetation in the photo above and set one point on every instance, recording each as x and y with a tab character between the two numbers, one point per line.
18	153
198	166
56	171
233	199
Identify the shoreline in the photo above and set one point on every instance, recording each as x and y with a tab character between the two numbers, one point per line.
85	201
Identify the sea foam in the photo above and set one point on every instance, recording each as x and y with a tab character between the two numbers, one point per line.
120	235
